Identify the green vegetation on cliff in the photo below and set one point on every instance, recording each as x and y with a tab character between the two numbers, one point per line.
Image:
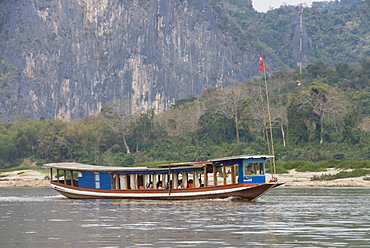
335	31
324	117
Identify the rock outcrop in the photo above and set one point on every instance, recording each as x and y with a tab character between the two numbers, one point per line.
68	59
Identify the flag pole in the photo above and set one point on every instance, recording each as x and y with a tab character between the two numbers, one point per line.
262	68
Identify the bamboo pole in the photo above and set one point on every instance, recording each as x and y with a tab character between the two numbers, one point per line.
169	178
273	172
71	178
233	175
117	177
205	176
214	176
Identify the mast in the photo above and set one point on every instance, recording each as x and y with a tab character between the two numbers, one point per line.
272	151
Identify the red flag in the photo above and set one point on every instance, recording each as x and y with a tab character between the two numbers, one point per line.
261	61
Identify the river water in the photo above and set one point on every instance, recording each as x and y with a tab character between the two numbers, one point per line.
285	217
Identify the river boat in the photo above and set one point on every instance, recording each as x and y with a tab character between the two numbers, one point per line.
242	177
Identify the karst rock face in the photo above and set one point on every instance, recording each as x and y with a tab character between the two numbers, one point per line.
66	59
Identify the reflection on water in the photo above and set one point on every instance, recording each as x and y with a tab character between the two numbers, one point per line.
285	217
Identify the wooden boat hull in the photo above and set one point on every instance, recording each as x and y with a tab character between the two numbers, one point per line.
243	191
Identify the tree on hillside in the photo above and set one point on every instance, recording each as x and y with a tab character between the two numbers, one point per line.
229	103
318	69
279	117
350	126
298	126
215	128
85	139
8	147
324	101
145	131
182	118
258	108
117	121
52	145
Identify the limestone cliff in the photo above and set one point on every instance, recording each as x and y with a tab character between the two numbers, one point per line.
67	59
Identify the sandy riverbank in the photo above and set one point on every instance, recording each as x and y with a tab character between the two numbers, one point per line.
303	179
23	178
33	178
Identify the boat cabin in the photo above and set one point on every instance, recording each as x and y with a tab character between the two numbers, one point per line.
215	172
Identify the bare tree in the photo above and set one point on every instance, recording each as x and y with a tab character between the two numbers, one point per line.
228	103
115	118
180	120
258	110
280	117
325	102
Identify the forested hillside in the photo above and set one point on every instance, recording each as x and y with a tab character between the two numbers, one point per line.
323	117
335	31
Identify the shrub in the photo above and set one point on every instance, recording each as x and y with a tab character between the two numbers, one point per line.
323	177
342	174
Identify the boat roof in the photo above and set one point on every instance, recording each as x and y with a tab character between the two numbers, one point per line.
86	167
241	157
184	165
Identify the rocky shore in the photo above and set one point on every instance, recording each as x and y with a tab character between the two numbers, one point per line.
33	178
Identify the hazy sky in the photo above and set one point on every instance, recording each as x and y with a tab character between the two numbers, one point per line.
264	5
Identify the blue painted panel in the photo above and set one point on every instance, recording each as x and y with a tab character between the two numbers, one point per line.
251	178
240	172
88	180
105	180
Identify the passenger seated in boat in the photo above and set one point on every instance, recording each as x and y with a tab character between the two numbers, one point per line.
168	185
159	185
200	183
180	184
150	185
249	170
190	183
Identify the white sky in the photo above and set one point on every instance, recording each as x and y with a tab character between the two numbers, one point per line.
264	5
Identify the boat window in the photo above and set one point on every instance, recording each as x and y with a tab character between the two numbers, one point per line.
254	169
249	169
97	180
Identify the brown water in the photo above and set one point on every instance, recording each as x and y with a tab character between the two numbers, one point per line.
285	217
